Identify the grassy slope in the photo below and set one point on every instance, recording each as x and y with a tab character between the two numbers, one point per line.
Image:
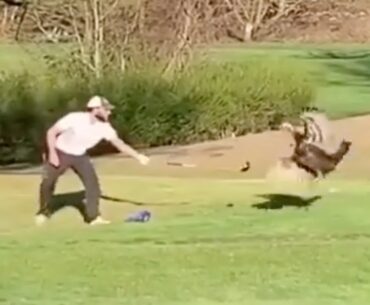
16	57
342	72
195	251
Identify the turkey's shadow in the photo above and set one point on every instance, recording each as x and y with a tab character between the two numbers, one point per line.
279	201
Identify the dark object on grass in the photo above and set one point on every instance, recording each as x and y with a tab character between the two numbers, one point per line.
180	164
141	216
246	166
230	205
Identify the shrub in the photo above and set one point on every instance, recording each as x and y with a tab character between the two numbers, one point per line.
244	97
21	119
208	101
151	111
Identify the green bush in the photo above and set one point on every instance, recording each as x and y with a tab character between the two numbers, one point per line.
21	119
208	101
151	111
245	97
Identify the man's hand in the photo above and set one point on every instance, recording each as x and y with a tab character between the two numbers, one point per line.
51	137
144	160
124	148
54	159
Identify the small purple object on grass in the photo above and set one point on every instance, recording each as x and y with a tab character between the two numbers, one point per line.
141	216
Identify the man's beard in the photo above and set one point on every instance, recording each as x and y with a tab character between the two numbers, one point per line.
101	118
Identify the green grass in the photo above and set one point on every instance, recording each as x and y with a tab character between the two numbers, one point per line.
342	72
196	250
17	57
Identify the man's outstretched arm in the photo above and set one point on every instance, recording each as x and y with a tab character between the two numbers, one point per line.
124	148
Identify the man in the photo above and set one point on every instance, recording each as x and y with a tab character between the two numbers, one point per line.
67	143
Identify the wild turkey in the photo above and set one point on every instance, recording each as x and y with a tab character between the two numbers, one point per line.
317	149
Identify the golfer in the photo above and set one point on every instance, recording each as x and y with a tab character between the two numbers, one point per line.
67	143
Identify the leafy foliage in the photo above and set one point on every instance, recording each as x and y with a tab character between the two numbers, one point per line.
208	101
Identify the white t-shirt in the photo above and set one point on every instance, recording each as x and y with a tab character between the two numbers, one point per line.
79	133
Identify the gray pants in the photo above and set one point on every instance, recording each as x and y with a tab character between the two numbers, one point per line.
83	167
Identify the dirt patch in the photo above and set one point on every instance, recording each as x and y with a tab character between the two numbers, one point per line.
263	150
225	158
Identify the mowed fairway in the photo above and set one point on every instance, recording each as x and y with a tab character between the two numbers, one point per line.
195	250
341	71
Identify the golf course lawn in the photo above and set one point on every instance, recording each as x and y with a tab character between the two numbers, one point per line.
212	240
341	72
207	243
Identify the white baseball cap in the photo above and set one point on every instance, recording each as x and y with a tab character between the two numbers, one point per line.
99	101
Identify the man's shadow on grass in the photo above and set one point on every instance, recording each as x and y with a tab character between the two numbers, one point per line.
279	201
66	200
76	201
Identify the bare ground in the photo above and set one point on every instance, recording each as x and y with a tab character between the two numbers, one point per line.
227	156
224	158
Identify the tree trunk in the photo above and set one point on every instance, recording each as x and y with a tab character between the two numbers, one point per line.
282	5
4	21
248	32
98	38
